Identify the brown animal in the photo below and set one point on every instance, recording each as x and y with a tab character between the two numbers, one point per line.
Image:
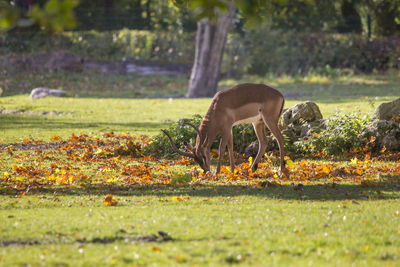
245	103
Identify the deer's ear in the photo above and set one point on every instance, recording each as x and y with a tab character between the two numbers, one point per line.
189	147
204	145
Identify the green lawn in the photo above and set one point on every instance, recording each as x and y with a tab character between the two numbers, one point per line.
203	223
138	116
218	225
99	103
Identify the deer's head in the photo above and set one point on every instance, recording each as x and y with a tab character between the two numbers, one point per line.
199	153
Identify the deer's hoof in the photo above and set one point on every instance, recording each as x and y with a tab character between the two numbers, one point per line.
284	173
254	167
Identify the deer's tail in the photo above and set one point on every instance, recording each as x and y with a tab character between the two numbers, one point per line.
283	104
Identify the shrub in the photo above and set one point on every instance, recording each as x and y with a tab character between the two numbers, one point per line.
341	134
160	145
243	135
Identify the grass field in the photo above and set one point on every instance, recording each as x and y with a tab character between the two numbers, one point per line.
104	102
52	202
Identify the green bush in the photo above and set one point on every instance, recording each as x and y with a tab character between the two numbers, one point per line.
243	135
160	145
341	134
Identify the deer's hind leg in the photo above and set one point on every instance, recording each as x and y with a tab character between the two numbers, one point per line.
259	128
272	123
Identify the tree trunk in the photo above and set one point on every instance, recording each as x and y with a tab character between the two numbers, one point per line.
210	45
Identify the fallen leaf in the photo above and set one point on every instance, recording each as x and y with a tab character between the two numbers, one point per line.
156	249
109	201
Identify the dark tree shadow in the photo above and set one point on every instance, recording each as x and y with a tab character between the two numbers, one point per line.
388	189
27	122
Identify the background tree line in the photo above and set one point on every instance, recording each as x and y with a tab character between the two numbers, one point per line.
282	36
305	16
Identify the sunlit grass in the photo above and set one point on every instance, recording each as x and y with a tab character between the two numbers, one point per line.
137	116
214	226
322	223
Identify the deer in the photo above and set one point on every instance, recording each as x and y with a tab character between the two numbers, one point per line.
258	104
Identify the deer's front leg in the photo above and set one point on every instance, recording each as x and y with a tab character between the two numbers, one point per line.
230	151
221	150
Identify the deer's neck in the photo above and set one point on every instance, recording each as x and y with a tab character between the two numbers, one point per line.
208	127
208	130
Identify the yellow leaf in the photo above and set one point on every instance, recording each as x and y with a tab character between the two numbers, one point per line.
289	163
354	161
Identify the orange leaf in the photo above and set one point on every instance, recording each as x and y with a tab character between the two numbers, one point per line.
109	201
156	249
179	199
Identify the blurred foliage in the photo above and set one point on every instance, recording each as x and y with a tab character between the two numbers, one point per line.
264	50
341	16
258	51
295	37
55	15
52	16
386	16
305	16
132	14
8	15
141	45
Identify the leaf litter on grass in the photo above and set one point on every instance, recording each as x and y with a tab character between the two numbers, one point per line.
113	159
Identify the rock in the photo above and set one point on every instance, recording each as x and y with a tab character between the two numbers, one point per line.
308	128
386	111
251	150
300	113
44	92
106	66
384	133
59	59
289	134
